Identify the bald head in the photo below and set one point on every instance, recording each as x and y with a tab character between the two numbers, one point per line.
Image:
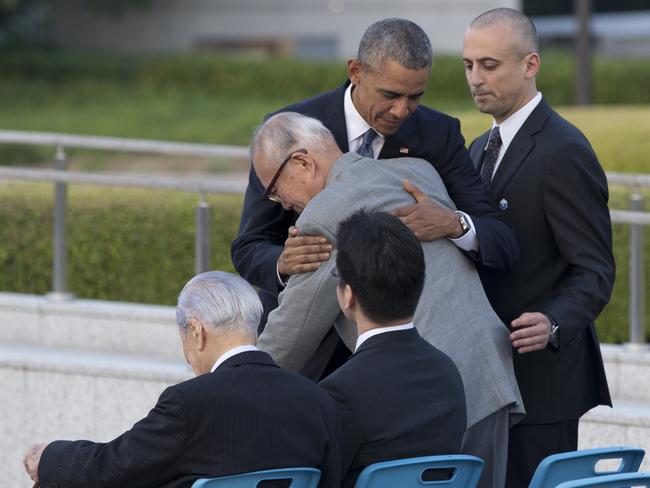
292	155
524	38
286	132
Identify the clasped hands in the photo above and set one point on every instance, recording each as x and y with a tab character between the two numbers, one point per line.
426	219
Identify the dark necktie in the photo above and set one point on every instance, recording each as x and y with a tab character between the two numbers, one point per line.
365	149
491	156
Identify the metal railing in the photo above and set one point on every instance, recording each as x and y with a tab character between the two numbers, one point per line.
61	177
635	217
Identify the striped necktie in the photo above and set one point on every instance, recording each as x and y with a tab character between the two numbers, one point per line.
365	149
491	156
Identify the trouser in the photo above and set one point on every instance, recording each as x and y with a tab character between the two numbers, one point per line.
530	443
488	440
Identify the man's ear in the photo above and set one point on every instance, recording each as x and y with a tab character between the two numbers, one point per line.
349	299
198	334
354	71
532	65
306	162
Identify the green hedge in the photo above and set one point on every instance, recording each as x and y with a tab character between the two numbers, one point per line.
138	245
126	245
615	80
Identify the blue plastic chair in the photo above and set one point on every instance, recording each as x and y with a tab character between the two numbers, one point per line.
621	480
300	478
575	465
461	472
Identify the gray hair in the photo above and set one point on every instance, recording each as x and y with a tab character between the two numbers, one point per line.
286	132
396	40
221	301
527	40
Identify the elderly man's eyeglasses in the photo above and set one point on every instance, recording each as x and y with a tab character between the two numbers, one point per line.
270	190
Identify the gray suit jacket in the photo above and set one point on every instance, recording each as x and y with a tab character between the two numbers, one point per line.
454	314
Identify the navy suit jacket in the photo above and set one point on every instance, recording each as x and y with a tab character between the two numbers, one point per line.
247	415
429	135
398	397
553	191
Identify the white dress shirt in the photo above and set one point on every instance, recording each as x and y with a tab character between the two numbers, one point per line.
380	330
356	126
508	128
233	352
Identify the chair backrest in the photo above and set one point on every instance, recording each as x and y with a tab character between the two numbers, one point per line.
454	471
621	480
299	478
575	465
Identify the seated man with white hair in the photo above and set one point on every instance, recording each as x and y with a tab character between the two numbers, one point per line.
241	413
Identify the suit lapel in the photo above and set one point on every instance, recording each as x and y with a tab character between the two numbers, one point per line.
476	150
519	148
403	143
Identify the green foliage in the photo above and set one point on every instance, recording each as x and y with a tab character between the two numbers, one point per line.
612	325
619	134
138	245
126	245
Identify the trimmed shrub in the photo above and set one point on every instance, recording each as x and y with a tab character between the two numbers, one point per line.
125	245
138	245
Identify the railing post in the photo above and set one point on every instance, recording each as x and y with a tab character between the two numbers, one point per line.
60	252
202	238
637	277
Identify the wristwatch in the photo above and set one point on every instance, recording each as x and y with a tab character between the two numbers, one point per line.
463	223
554	339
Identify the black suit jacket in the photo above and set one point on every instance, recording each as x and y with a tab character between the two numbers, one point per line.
553	191
428	134
398	396
247	415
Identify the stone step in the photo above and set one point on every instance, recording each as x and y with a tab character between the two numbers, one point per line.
89	325
627	423
58	393
628	371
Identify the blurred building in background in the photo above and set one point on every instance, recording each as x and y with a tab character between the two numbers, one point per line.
316	29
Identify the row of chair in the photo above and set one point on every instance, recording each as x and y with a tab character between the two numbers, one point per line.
608	467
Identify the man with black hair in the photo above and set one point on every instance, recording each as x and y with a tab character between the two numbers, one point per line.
397	396
300	165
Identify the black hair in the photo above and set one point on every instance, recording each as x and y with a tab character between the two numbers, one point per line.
383	262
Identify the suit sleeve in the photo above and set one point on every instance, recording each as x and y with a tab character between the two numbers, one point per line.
262	232
306	312
575	202
498	248
143	456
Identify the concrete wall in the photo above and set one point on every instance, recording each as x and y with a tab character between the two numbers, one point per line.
87	369
79	370
312	29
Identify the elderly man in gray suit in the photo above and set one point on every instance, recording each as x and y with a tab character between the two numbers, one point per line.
299	163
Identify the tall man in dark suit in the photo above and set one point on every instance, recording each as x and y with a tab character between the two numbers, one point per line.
397	396
376	114
549	185
241	413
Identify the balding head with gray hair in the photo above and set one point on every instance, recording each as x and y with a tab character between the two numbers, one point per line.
286	132
221	302
398	40
526	40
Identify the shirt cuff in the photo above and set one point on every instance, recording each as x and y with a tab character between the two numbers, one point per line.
468	241
280	280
